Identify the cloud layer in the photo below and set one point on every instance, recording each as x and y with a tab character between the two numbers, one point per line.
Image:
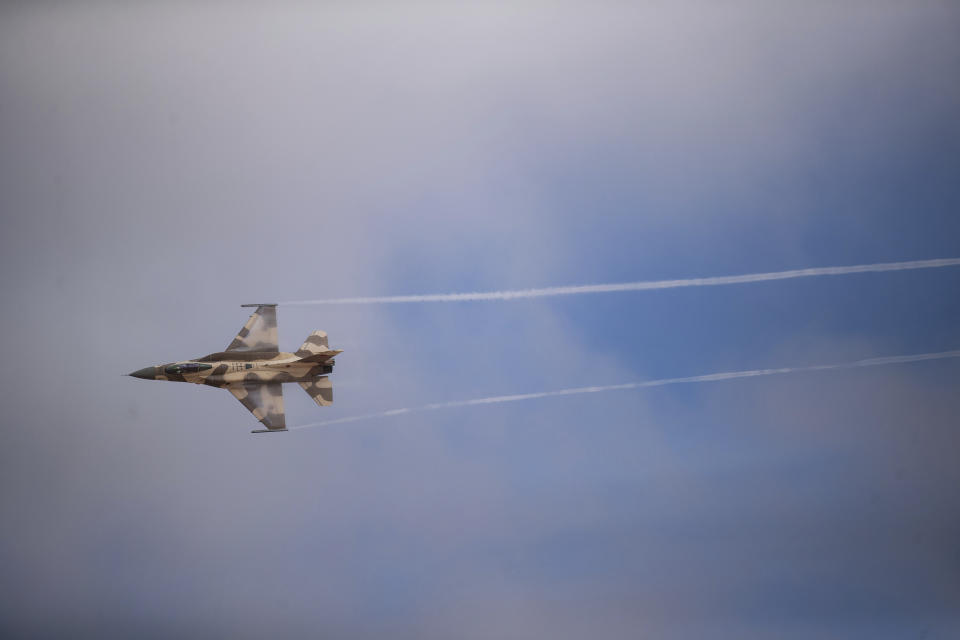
163	164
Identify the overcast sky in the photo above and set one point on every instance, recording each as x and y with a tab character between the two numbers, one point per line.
162	164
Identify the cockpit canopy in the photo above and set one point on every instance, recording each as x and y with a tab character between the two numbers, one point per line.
187	367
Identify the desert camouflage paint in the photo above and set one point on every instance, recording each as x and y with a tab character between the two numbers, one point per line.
253	368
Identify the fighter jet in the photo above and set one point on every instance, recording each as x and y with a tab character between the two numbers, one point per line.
254	369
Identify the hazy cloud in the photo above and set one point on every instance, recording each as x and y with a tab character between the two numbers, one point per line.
163	164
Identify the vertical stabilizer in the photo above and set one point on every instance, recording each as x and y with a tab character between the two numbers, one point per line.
316	348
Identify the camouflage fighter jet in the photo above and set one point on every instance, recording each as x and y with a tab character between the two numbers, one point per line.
253	369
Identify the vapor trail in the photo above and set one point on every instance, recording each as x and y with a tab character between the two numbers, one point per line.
710	377
640	286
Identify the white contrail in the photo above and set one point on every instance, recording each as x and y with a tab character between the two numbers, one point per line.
710	377
640	286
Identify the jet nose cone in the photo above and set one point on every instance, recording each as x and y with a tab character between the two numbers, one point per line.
147	373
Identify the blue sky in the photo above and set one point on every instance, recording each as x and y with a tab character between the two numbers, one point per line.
164	164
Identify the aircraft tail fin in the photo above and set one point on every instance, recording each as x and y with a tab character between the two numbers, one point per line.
316	348
320	389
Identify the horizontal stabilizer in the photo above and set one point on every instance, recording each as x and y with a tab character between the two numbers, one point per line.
320	389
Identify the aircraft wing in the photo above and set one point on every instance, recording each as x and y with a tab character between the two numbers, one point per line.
264	401
260	331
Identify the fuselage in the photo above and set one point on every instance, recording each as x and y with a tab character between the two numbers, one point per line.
238	367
